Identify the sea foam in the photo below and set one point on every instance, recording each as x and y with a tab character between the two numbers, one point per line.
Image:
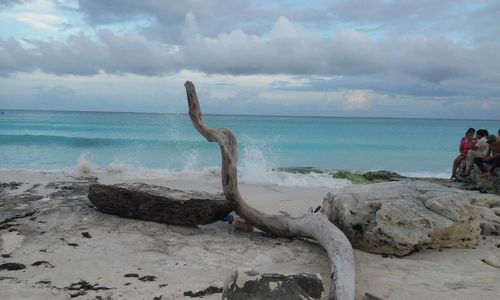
83	166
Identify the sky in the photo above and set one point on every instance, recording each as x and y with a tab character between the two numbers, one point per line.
359	58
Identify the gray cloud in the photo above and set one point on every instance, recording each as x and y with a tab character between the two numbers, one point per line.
410	57
425	62
285	49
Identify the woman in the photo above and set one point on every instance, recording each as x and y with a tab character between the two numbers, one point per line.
466	144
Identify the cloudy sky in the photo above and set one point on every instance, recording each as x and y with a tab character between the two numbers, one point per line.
376	58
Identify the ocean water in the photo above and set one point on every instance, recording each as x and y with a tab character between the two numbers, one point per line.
270	148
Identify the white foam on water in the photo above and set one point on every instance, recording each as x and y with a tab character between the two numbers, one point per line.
83	165
191	163
117	167
256	166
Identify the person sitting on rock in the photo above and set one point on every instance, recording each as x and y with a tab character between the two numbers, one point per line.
493	157
466	143
478	151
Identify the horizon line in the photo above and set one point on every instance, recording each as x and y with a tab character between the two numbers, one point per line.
246	115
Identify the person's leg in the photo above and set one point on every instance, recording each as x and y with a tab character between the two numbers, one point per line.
480	164
469	162
456	164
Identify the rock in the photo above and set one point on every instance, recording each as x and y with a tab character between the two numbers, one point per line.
398	218
159	204
246	284
368	177
489	184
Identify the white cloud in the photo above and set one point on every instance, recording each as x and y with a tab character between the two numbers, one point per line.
41	21
350	100
358	99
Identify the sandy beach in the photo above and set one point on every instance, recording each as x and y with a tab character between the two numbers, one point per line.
68	249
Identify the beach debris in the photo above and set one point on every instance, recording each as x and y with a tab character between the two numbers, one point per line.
6	278
131	275
312	225
208	291
12	266
147	278
42	262
159	204
82	287
399	218
73	244
246	283
369	296
86	235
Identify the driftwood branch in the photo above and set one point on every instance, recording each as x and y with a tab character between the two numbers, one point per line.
313	225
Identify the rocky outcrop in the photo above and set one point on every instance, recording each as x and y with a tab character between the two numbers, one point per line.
159	204
490	184
487	207
398	218
246	284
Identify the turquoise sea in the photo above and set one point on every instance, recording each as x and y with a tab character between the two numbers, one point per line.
269	145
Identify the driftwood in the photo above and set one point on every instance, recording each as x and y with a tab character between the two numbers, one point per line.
159	204
314	224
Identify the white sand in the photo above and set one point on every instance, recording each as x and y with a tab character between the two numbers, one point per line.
188	259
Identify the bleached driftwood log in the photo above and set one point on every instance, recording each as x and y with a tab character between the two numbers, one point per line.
313	224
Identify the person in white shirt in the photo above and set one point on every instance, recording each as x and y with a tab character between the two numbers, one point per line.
480	150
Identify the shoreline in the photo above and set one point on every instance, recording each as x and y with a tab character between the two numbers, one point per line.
59	220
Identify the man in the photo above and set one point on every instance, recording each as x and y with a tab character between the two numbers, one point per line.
492	158
480	150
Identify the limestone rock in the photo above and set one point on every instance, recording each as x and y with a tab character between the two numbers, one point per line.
246	284
488	209
159	204
398	218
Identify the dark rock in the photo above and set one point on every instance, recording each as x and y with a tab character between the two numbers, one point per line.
208	291
159	204
12	266
474	182
131	275
248	284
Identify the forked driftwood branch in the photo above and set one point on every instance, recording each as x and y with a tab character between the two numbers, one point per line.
313	224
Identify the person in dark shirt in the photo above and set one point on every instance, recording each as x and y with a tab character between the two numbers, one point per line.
493	157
